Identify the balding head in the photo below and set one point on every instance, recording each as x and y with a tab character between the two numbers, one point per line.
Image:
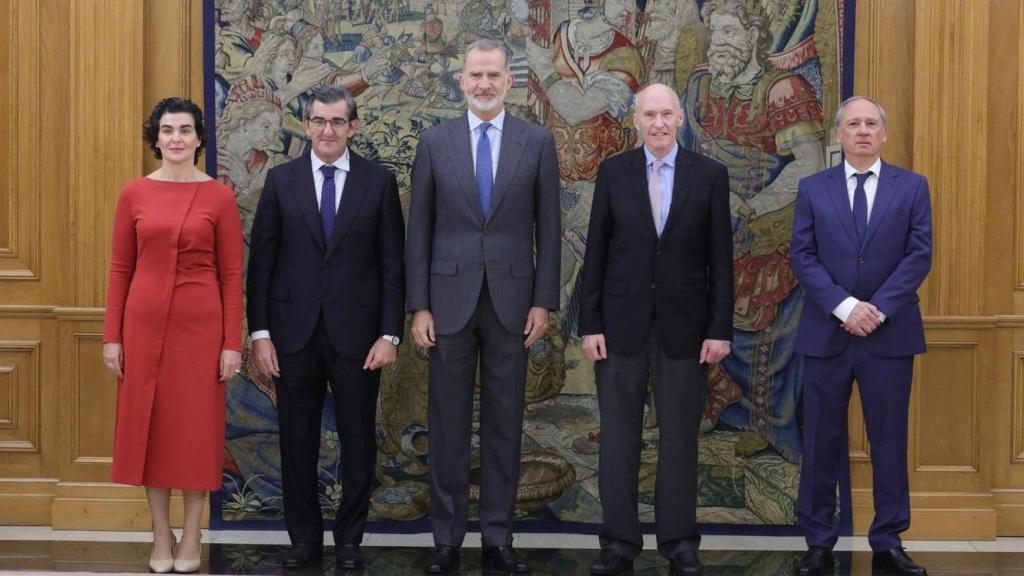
658	118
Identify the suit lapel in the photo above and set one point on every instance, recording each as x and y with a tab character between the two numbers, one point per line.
353	196
641	193
841	201
680	189
304	192
884	194
461	157
512	144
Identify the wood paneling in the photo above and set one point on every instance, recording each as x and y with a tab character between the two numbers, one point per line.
950	145
107	75
20	422
19	158
946	406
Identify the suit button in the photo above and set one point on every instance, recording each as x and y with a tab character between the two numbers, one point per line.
652	286
860	260
316	294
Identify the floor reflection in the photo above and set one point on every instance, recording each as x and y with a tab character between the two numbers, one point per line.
109	557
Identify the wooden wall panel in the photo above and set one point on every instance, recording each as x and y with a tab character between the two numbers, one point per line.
19	159
20	421
950	145
945	408
91	391
107	74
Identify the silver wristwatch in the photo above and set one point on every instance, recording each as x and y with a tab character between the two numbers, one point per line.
393	340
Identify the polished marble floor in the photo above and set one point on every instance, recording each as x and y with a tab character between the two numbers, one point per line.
247	552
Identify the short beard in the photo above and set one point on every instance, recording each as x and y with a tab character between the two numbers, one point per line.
728	61
484	105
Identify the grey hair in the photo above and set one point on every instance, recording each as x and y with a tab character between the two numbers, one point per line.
489	45
331	94
842	108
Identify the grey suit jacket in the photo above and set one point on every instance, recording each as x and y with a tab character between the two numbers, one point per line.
451	247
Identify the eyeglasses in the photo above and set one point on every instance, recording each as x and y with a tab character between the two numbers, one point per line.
321	123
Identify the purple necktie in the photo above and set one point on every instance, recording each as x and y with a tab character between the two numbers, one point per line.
860	206
327	210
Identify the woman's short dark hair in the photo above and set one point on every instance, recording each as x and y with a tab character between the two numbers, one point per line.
173	105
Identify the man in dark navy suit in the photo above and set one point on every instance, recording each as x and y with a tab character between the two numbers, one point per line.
861	246
325	291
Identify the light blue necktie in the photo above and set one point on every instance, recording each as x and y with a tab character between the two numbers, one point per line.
484	177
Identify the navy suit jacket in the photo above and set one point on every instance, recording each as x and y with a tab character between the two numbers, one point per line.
681	281
885	270
355	278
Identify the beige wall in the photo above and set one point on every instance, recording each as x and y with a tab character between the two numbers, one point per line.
80	74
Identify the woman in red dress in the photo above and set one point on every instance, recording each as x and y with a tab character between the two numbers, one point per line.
173	328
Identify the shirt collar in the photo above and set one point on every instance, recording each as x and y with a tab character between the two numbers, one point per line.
669	159
341	163
496	122
875	168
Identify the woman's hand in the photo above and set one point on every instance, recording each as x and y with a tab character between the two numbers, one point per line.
113	357
230	362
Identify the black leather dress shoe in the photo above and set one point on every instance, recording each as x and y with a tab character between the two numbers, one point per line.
895	561
502	559
611	563
443	560
348	557
302	555
685	563
816	562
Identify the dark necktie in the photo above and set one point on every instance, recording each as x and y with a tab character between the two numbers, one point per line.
860	206
327	210
484	177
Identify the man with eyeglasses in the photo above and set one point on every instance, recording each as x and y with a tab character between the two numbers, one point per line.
325	294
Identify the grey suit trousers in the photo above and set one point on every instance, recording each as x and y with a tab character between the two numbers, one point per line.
679	396
453	367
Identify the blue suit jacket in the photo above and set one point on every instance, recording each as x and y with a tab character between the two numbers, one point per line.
885	270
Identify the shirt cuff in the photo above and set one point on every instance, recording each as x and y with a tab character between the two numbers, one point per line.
261	335
845	307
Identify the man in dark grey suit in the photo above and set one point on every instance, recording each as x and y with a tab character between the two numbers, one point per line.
482	274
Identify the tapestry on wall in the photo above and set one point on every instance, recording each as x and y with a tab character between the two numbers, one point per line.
755	78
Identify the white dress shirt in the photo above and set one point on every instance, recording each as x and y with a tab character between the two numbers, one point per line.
870	188
493	134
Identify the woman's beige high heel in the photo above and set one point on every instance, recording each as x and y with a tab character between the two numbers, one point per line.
190	565
165	565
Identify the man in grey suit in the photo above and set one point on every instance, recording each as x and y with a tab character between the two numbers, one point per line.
482	274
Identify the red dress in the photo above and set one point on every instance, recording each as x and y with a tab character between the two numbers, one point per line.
174	301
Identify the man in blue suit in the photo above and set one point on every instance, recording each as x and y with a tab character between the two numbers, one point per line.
861	246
